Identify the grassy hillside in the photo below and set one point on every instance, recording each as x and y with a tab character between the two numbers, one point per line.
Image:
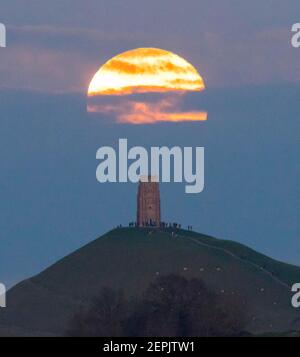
287	273
130	258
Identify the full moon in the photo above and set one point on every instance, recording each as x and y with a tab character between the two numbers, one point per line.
145	86
145	70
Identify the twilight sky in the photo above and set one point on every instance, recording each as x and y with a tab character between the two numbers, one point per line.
51	203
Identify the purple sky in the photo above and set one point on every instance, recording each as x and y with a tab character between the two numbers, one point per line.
51	203
57	46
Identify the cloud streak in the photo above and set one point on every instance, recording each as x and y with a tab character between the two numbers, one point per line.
61	59
166	108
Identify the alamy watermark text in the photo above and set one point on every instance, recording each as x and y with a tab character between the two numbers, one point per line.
166	164
2	35
2	295
296	37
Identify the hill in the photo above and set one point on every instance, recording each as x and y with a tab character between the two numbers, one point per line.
130	258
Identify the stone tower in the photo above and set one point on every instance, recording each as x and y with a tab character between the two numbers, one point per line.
148	203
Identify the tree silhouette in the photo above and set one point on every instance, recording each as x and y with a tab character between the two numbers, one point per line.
172	306
175	306
105	317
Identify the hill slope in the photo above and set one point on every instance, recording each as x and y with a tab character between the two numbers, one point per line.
130	258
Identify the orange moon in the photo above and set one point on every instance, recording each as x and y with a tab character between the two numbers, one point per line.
120	89
145	70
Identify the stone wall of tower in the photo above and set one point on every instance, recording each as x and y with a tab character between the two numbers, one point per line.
148	204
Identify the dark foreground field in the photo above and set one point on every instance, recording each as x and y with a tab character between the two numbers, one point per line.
129	259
